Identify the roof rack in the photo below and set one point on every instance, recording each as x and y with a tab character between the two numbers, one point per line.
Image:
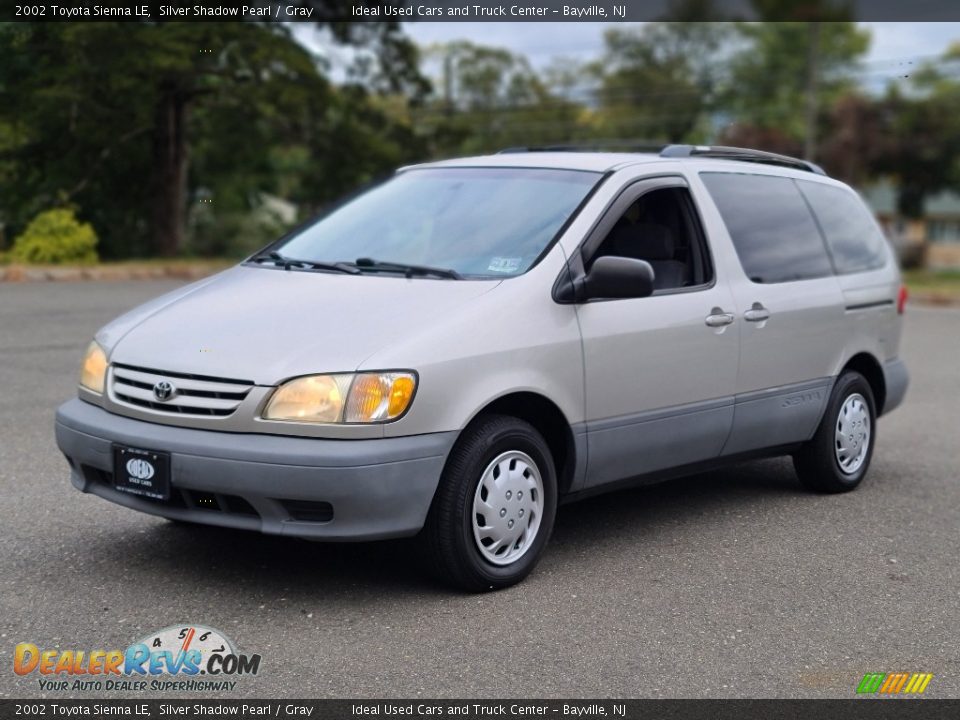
720	152
593	146
743	154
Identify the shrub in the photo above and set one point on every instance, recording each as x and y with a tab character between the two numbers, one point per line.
232	234
56	237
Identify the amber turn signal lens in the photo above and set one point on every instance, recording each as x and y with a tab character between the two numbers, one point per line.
400	396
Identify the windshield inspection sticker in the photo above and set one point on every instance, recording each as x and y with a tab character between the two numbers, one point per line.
504	264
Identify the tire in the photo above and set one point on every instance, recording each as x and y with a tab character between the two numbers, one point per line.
506	456
824	464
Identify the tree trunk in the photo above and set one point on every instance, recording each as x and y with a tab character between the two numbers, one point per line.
170	172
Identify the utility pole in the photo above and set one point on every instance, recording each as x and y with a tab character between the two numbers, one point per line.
448	80
813	92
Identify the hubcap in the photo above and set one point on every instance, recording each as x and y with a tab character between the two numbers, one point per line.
507	507
853	434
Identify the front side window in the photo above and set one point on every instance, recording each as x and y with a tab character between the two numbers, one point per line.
772	229
479	222
855	241
661	228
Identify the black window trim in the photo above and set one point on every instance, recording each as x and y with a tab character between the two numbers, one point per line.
565	287
819	226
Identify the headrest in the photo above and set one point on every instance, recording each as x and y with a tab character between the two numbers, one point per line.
643	240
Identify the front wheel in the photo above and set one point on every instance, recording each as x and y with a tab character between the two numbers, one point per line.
838	456
494	509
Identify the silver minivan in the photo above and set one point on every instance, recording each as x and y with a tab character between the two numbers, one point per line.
455	351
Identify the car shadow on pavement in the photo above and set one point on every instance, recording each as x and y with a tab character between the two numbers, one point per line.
268	565
678	500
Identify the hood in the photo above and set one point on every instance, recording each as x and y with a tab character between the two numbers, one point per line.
266	325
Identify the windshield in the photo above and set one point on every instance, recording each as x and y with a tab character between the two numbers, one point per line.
475	221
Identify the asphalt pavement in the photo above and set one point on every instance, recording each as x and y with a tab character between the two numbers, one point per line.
728	584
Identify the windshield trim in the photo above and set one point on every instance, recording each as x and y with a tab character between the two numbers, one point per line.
333	207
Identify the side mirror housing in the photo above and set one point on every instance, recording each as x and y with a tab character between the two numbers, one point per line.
617	277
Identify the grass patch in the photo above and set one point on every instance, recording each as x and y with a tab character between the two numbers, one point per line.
933	282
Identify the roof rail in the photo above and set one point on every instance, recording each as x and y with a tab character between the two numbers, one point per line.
743	154
592	146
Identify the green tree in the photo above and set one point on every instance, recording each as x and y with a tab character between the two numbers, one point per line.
489	98
124	119
786	74
922	127
658	82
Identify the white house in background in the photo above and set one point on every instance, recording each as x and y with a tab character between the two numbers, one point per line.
932	240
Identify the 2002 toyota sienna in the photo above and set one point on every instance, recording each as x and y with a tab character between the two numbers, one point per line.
465	345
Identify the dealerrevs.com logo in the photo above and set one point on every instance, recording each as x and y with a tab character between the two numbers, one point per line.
177	658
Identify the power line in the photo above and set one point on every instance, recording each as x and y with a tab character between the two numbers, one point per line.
610	97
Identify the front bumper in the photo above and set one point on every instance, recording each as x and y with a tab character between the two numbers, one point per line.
306	487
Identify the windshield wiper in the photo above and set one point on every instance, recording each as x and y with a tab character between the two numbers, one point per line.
287	262
371	265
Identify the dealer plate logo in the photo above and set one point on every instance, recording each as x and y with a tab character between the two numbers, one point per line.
140	469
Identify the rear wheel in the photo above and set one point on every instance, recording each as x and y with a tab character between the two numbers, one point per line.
838	456
494	509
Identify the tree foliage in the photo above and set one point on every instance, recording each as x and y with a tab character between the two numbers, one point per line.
659	82
488	98
176	138
128	121
769	77
922	130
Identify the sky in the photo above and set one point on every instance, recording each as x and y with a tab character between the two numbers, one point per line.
541	42
892	46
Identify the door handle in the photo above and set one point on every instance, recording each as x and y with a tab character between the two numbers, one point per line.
718	318
758	313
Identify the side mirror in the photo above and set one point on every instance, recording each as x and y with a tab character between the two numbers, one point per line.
618	277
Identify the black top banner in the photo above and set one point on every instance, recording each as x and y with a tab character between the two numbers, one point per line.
469	11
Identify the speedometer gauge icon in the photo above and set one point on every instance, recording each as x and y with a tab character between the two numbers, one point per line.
183	638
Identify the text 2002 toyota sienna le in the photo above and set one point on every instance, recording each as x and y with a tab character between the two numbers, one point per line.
457	350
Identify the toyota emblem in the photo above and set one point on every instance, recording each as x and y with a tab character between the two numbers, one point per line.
164	390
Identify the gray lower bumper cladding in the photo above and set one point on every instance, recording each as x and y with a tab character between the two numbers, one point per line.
320	489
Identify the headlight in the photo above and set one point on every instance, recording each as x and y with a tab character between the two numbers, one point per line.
345	398
93	373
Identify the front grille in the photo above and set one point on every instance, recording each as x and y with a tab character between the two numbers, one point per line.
193	394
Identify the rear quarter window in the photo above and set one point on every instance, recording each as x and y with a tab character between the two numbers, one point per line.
772	228
855	241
